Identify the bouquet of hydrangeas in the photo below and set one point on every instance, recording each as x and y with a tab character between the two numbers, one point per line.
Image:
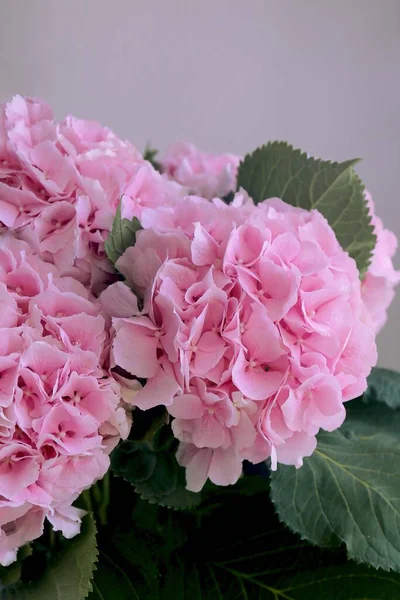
188	404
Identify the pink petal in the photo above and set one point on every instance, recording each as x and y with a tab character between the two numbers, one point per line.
159	390
139	268
204	247
254	382
8	213
261	336
209	433
67	520
244	433
186	406
225	467
119	301
197	463
135	346
25	528
210	350
295	449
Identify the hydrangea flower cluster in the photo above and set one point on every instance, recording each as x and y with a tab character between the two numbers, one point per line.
203	173
60	185
253	332
252	329
60	412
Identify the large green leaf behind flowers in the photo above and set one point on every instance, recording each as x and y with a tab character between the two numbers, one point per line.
349	489
68	573
231	547
278	170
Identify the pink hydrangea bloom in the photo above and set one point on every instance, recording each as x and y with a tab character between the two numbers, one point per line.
60	411
206	174
60	184
378	285
253	332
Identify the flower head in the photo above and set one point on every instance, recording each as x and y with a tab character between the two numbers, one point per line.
206	174
253	332
60	411
60	185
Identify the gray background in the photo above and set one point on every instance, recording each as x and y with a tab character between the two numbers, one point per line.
226	74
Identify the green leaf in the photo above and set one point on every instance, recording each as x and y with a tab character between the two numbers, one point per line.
238	550
132	464
278	170
241	551
150	155
147	423
128	557
69	572
111	581
10	575
349	489
127	567
383	386
121	236
140	553
152	468
178	497
347	582
367	418
229	197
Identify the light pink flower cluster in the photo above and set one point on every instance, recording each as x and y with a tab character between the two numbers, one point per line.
60	184
60	412
253	333
379	283
208	175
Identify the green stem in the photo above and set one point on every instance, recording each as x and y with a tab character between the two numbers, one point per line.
88	500
105	501
97	494
26	550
